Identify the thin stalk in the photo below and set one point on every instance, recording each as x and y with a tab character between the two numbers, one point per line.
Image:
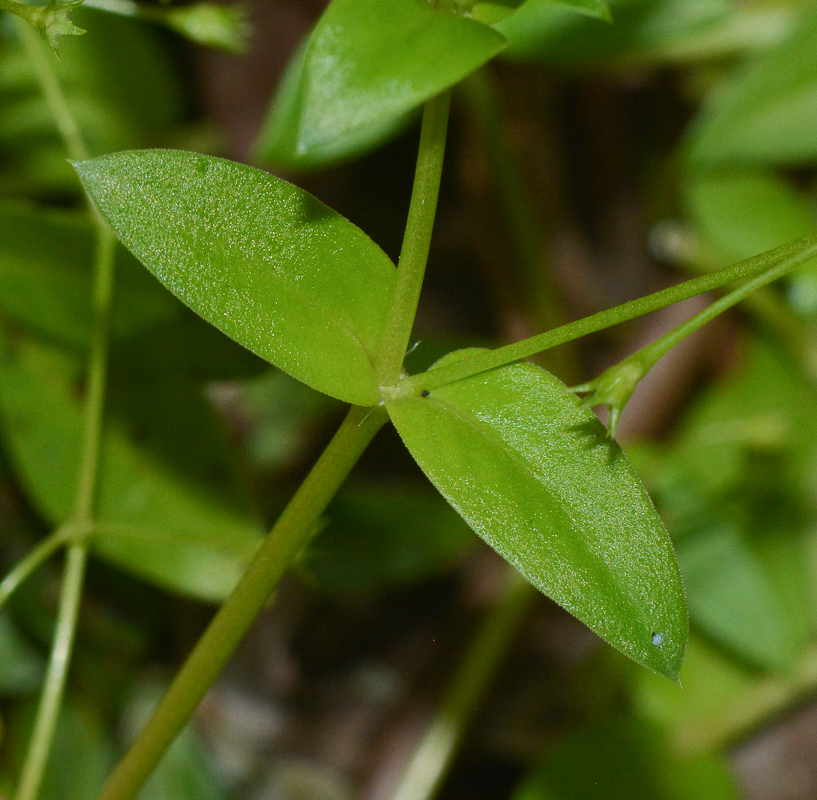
41	553
416	241
80	525
54	688
435	752
292	531
789	256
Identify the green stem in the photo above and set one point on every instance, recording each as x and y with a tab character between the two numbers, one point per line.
54	688
41	553
416	241
788	257
292	531
435	752
40	59
79	527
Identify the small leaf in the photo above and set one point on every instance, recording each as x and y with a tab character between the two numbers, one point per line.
367	64
262	260
153	521
534	474
767	114
590	8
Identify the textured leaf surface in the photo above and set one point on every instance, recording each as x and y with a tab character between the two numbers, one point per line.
262	260
369	62
153	521
535	475
768	113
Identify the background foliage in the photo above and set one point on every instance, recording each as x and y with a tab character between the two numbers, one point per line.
589	164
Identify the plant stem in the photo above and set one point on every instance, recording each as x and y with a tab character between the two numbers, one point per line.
42	552
54	688
293	530
787	257
79	528
416	241
435	752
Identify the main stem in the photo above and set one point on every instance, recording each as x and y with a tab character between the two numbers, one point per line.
416	241
292	531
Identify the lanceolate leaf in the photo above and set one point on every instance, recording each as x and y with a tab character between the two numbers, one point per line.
368	62
262	260
535	475
153	521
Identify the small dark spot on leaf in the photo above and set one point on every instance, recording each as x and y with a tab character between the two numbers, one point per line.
425	393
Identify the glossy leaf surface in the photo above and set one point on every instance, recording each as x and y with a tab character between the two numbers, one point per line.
535	475
152	520
262	260
277	141
367	63
768	112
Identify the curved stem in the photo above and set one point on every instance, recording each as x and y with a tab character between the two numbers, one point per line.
435	752
416	241
292	531
787	257
54	688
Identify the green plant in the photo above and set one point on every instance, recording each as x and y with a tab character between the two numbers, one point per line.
522	460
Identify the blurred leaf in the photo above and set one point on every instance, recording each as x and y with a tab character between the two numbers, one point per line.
21	667
81	756
535	475
731	598
45	277
262	260
122	86
541	31
184	772
275	144
382	536
153	522
392	56
590	8
739	214
624	760
767	113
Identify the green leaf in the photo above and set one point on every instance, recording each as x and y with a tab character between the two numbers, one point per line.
262	260
277	142
590	8
152	521
732	599
541	30
767	114
380	537
368	63
45	277
624	759
742	213
534	474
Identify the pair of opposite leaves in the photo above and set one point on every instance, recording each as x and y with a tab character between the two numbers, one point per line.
511	450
